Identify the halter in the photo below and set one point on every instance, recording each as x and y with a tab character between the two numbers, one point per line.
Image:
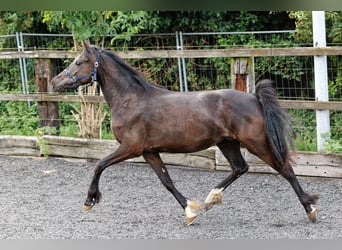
92	75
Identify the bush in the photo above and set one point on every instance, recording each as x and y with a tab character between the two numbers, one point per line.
18	118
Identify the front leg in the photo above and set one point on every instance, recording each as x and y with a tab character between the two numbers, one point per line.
191	207
94	195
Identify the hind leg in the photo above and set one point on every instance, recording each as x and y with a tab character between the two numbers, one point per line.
307	200
231	150
190	207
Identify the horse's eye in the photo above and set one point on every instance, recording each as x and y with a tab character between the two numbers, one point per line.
78	62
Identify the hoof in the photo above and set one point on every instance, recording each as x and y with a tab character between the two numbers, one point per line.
89	204
91	201
86	208
191	220
214	197
191	211
313	214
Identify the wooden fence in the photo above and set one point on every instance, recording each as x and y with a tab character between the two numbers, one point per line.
206	53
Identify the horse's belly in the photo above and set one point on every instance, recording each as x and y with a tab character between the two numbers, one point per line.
185	138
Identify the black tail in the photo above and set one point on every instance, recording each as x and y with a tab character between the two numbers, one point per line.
278	131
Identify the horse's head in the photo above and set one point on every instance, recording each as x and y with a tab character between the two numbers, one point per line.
81	71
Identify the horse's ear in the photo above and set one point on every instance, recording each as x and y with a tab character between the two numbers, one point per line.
86	45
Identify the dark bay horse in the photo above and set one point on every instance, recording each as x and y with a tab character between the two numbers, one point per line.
147	120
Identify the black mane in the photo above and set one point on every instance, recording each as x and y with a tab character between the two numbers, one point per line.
136	75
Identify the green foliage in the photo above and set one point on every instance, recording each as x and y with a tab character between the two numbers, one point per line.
46	131
208	73
289	67
43	145
336	125
335	83
303	21
11	20
9	76
69	125
126	24
304	125
16	118
159	68
334	23
331	145
85	25
218	21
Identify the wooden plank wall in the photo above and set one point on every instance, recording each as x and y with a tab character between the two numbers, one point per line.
308	164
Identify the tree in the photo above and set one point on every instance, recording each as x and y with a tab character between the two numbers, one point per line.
95	25
303	21
222	21
11	20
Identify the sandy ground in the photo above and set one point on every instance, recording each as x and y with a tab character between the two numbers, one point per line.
43	198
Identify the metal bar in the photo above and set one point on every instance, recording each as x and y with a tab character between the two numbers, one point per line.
240	32
183	63
24	64
184	33
20	63
179	65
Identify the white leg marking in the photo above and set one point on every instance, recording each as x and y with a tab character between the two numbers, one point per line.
191	211
214	197
313	214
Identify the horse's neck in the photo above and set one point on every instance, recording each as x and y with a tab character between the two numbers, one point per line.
116	92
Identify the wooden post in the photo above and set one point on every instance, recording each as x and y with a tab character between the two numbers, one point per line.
48	111
321	78
242	74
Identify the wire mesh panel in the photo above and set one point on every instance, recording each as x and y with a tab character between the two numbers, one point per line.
8	43
208	73
9	72
248	39
165	41
48	41
293	75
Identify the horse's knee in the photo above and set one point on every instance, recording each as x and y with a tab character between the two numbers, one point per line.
241	169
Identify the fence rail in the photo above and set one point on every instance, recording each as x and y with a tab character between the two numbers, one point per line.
203	53
42	97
